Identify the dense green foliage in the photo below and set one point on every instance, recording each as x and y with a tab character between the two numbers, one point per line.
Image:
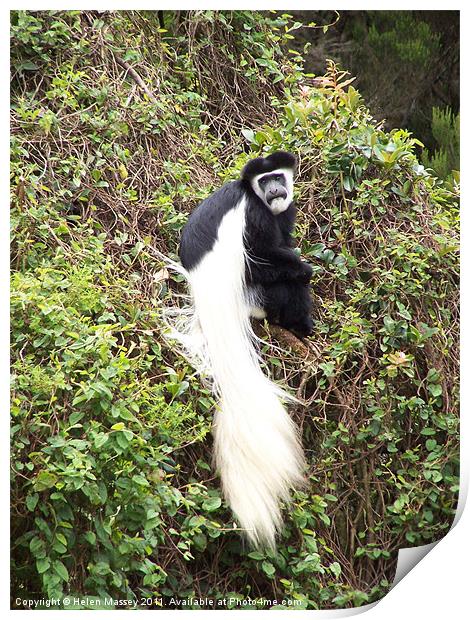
119	127
445	160
406	62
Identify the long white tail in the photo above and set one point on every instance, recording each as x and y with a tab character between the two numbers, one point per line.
257	449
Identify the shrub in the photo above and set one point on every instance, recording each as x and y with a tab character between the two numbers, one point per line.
445	160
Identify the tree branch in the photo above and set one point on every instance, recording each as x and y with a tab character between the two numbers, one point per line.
135	76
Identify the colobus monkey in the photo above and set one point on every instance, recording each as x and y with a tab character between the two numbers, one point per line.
237	251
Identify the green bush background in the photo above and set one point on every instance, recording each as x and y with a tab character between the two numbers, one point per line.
121	124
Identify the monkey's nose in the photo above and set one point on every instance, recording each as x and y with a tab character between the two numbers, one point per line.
276	193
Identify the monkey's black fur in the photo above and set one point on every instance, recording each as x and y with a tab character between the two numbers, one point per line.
262	165
280	278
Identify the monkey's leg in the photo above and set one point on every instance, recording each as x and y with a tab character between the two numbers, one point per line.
289	305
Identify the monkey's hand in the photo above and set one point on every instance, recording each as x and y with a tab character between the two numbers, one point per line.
303	327
305	273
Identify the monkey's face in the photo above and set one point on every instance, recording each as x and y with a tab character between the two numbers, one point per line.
275	189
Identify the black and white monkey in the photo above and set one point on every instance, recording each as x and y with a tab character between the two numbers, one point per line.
237	251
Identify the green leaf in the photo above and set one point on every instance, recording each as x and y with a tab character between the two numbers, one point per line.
101	439
335	568
316	250
37	547
403	312
211	504
42	565
118	426
200	541
76	417
348	183
432	376
389	324
90	537
435	389
328	368
428	431
268	568
328	256
29	66
260	137
45	480
31	501
61	570
249	134
122	440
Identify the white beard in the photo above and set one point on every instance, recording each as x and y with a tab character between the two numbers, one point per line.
278	205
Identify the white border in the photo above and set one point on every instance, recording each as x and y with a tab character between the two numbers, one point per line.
438	586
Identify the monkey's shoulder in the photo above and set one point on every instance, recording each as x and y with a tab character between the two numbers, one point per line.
200	232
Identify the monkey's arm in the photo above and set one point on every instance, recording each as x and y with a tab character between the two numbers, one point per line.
279	265
285	222
268	243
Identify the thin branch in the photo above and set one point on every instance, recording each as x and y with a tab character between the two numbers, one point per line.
135	76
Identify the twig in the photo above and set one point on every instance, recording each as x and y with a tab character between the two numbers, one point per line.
135	76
